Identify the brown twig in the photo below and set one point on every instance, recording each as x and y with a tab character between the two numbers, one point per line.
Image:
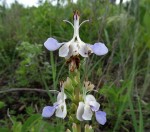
26	89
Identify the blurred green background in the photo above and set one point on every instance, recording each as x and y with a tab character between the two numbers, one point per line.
121	76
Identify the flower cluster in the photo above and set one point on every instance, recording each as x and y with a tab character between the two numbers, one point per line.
75	46
86	104
59	107
85	109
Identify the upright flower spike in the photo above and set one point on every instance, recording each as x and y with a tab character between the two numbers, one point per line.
58	107
75	46
85	110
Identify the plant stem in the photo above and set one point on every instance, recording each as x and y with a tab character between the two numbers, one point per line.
53	69
78	127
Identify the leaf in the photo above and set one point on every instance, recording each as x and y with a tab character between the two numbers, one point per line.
17	127
30	122
147	21
2	104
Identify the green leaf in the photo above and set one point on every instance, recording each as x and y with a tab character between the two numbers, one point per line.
30	122
17	127
147	21
2	104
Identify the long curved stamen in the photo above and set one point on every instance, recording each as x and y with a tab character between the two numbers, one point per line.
69	23
83	23
53	91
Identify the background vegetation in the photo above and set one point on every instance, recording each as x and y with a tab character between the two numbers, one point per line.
121	76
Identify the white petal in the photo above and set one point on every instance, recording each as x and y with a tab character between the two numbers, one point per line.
52	44
84	50
87	115
64	50
80	111
90	47
73	50
89	98
61	111
61	96
69	53
94	105
91	101
99	49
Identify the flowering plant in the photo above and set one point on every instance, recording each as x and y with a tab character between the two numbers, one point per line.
83	104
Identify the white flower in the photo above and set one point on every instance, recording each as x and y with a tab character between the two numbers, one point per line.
58	107
75	46
85	110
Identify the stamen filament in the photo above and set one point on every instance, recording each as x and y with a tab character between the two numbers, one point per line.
69	23
83	22
53	91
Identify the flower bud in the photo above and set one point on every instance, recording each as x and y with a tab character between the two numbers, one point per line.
76	15
74	127
88	128
68	130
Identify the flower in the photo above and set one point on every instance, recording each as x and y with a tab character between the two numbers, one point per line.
58	107
85	110
75	46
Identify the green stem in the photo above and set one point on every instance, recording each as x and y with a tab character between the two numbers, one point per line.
78	127
53	69
77	93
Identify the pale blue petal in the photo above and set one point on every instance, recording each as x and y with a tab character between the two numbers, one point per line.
99	49
48	111
101	117
52	44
